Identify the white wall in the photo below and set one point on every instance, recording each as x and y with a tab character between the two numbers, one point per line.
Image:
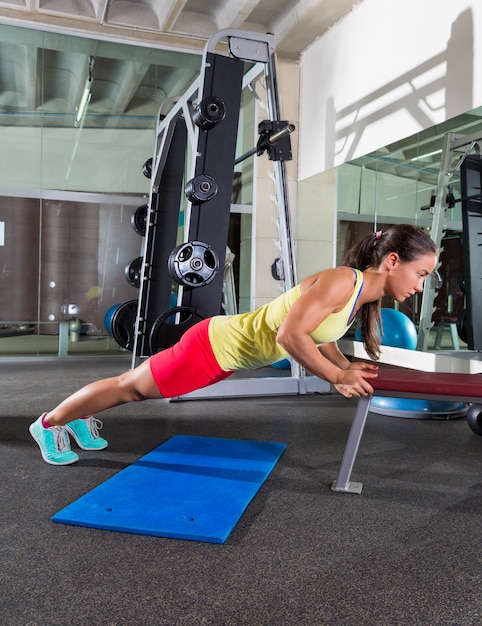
390	69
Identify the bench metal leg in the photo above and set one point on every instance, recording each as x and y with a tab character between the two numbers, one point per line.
342	483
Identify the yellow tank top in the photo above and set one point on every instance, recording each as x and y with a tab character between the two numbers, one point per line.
248	340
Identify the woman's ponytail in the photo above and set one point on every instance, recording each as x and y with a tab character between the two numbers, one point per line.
410	243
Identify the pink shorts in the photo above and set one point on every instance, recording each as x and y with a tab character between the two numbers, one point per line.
188	365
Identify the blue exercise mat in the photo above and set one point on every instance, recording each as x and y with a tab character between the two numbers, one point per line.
188	488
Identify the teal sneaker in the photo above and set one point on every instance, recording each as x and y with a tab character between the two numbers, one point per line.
54	443
86	433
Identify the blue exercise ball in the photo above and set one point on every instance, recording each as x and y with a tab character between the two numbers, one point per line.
284	364
417	408
398	330
109	314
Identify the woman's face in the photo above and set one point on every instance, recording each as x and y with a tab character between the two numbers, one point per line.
405	279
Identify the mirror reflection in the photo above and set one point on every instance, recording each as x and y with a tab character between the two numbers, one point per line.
77	125
431	179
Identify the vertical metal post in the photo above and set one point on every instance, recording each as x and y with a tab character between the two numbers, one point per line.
342	483
436	233
281	183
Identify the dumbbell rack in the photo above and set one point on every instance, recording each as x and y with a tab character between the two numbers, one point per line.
205	119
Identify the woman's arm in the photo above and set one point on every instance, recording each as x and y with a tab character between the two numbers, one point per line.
326	293
332	352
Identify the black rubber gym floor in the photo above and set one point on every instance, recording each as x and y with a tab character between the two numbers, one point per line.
407	551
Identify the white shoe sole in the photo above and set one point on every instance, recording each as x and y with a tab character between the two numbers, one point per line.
47	460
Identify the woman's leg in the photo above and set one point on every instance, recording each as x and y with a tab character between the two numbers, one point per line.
134	385
51	430
188	365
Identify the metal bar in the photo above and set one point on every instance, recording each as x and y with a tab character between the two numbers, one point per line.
255	52
428	297
342	483
246	155
459	142
265	386
284	214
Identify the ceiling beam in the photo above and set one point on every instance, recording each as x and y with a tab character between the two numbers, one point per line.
171	14
234	13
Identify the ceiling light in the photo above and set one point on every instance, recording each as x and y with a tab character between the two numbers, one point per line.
86	95
424	156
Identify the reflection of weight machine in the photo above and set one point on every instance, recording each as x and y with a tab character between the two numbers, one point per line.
470	166
205	119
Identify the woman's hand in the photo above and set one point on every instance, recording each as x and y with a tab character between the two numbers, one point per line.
352	382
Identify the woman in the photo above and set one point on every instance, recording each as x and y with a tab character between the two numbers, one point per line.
303	323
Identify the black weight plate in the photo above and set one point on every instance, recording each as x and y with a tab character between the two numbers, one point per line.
209	112
147	168
201	189
462	326
193	264
132	272
138	220
171	325
474	418
123	324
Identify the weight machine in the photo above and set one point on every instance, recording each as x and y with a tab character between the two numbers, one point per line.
470	165
200	131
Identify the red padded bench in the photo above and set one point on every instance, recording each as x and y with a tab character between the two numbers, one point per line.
404	383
